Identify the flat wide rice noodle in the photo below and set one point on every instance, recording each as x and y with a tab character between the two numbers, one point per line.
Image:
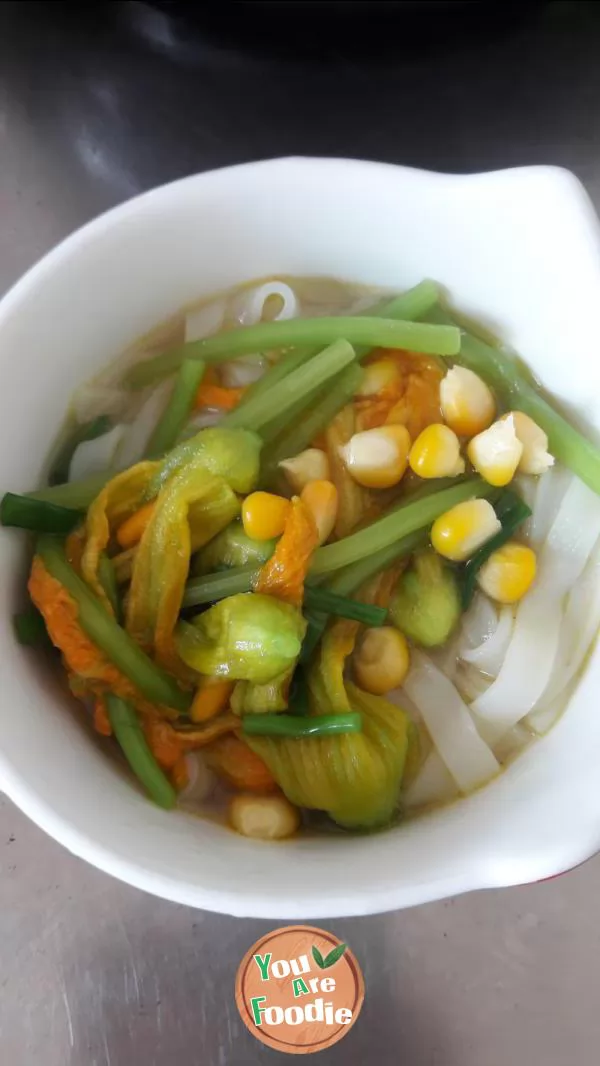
490	654
205	320
468	758
252	305
532	650
95	456
433	784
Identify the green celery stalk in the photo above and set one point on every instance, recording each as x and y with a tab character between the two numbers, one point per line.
37	515
374	332
178	409
155	684
409	306
130	735
286	394
404	520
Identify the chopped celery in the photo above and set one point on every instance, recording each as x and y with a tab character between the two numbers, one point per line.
128	730
178	409
402	521
286	394
374	332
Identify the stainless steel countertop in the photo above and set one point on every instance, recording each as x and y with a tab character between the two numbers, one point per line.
95	973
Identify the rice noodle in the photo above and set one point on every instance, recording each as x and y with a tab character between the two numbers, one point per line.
532	650
205	320
478	623
433	784
580	624
451	727
250	305
551	488
139	431
239	373
94	456
489	655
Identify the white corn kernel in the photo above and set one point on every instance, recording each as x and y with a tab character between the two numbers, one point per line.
496	452
378	376
535	458
263	817
459	532
377	458
309	465
467	403
382	660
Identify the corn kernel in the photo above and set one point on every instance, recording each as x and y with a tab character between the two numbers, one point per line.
264	515
377	458
382	660
377	376
436	453
463	529
468	405
508	573
321	498
310	465
535	458
496	452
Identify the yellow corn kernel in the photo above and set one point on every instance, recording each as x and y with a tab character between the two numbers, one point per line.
377	376
264	515
263	817
467	403
377	458
436	453
212	696
496	452
382	660
535	458
309	465
463	529
508	573
131	530
321	498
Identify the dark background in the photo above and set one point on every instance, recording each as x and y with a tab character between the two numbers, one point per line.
123	96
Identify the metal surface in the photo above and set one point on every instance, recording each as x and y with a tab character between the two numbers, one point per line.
95	973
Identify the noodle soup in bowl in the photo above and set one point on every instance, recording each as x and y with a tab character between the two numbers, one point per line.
516	251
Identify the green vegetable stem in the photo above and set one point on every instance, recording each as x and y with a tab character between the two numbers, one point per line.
298	726
128	731
178	409
104	631
37	515
373	332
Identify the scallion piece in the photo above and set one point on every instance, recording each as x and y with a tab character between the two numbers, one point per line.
130	735
37	515
156	685
320	599
76	494
298	726
30	629
178	409
373	332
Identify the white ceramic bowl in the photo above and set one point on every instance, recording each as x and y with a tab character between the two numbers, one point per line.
518	249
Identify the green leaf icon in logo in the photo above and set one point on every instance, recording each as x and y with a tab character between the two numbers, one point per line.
332	958
316	954
329	960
